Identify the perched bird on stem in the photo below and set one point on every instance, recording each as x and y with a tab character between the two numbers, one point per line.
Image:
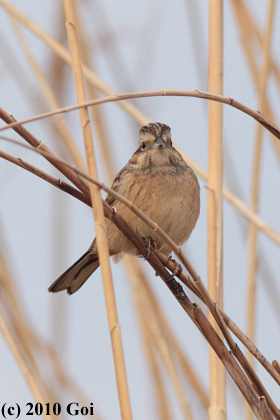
160	183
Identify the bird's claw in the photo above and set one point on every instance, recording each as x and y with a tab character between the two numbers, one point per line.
151	246
177	271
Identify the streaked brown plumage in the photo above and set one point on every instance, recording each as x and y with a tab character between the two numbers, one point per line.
158	181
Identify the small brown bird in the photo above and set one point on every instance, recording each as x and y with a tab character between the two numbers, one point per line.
160	183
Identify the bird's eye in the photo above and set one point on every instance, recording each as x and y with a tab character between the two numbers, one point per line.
171	143
143	146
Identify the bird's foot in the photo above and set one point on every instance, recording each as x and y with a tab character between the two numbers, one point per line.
151	246
177	271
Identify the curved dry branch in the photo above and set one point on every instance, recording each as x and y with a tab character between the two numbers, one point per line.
188	93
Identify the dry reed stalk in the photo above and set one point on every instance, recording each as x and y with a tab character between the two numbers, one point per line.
53	103
58	183
231	325
31	342
259	36
252	251
99	217
163	405
160	343
96	111
19	329
162	351
246	26
211	336
49	155
64	55
63	378
236	202
59	308
217	407
159	387
23	365
137	275
276	366
58	68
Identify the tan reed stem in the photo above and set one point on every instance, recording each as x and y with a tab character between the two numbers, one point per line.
217	408
52	101
101	238
96	111
18	327
160	344
159	383
246	27
25	369
151	306
252	252
64	55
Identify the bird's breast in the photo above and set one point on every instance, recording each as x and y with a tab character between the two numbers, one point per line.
171	199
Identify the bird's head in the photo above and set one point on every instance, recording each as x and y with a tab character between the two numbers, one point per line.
155	150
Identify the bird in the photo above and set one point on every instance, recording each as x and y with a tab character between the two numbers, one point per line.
160	183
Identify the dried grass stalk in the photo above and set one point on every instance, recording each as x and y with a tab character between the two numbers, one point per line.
100	230
217	408
252	256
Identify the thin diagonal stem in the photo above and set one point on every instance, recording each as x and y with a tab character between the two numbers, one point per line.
252	269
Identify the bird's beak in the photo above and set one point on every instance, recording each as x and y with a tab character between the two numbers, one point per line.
159	143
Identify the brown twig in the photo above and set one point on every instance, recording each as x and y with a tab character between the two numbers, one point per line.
231	325
191	93
58	183
50	156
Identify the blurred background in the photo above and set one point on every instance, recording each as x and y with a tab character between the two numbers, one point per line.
130	46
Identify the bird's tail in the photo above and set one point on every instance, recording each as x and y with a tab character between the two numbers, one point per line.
73	278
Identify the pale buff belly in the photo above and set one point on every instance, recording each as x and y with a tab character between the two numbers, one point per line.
171	201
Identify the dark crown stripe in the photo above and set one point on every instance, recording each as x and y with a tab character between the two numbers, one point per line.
156	129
